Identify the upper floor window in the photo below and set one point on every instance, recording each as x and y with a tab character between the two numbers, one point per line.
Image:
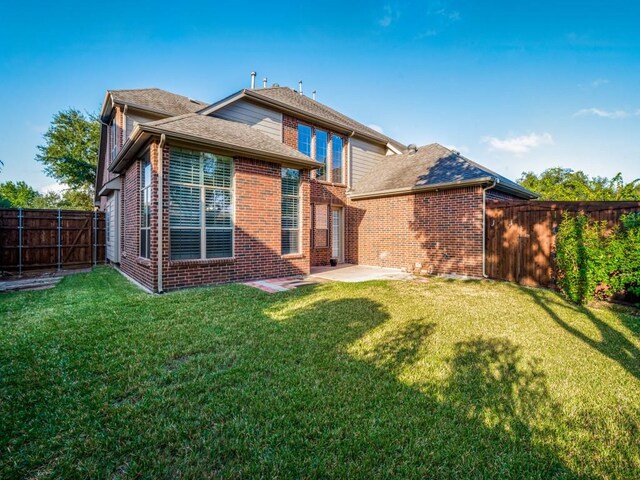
114	139
200	205
337	152
304	139
145	209
321	153
290	211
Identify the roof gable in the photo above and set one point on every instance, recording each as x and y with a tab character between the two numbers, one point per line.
156	100
285	98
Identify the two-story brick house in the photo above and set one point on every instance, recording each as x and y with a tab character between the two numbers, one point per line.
268	183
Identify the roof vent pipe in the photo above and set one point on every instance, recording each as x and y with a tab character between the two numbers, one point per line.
314	94
264	82
253	80
300	87
412	148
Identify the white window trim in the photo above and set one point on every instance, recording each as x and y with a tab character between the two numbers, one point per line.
142	189
203	205
299	229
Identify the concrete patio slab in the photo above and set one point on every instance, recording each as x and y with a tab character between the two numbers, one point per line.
358	273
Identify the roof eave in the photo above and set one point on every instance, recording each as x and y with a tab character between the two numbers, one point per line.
142	132
519	191
422	188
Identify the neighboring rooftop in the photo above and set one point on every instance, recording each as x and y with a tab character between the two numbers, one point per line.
430	166
157	100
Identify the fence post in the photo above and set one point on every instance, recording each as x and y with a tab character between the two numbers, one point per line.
19	241
95	237
59	241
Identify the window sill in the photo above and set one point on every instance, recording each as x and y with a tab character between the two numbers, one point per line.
143	261
292	256
333	184
203	261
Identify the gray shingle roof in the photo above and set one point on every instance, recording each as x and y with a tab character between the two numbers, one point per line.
224	131
314	108
157	100
431	165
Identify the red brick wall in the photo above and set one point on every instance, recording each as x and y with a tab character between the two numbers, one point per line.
257	237
441	231
141	269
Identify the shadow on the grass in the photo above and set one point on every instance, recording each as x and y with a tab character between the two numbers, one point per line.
480	423
613	343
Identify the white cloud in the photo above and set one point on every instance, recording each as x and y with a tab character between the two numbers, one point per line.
54	187
375	127
519	145
605	113
598	82
390	15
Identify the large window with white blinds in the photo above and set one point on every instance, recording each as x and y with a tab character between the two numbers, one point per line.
145	208
200	205
290	211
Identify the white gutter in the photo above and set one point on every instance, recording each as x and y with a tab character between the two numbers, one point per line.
484	226
163	140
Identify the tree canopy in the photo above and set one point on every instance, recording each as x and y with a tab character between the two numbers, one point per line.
70	151
21	195
565	184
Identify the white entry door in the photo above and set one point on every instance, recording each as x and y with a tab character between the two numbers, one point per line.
337	234
112	217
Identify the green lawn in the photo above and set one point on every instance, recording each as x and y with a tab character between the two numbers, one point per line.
443	379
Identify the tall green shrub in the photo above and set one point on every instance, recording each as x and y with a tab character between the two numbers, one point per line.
625	253
582	257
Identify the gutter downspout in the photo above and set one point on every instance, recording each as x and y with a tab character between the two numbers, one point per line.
163	140
484	226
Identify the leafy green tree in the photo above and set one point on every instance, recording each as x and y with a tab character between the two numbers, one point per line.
565	184
70	151
17	195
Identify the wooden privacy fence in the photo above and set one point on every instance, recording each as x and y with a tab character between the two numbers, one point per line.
520	236
34	239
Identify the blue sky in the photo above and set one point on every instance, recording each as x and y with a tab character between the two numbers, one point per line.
513	85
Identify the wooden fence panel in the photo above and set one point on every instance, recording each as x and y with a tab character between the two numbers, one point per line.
520	236
49	240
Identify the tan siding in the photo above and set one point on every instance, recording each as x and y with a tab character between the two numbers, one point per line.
263	119
364	156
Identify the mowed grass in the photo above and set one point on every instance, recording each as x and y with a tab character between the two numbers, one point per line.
445	379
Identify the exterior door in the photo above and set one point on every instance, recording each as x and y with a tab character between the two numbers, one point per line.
337	234
112	223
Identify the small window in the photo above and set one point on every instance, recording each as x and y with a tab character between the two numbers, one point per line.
114	139
336	159
145	209
320	226
304	139
200	205
321	154
290	211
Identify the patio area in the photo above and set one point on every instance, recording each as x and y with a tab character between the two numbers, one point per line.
357	273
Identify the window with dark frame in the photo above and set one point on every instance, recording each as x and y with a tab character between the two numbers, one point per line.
200	205
145	208
290	243
336	159
304	139
321	153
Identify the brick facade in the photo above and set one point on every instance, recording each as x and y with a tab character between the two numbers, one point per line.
437	232
440	230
